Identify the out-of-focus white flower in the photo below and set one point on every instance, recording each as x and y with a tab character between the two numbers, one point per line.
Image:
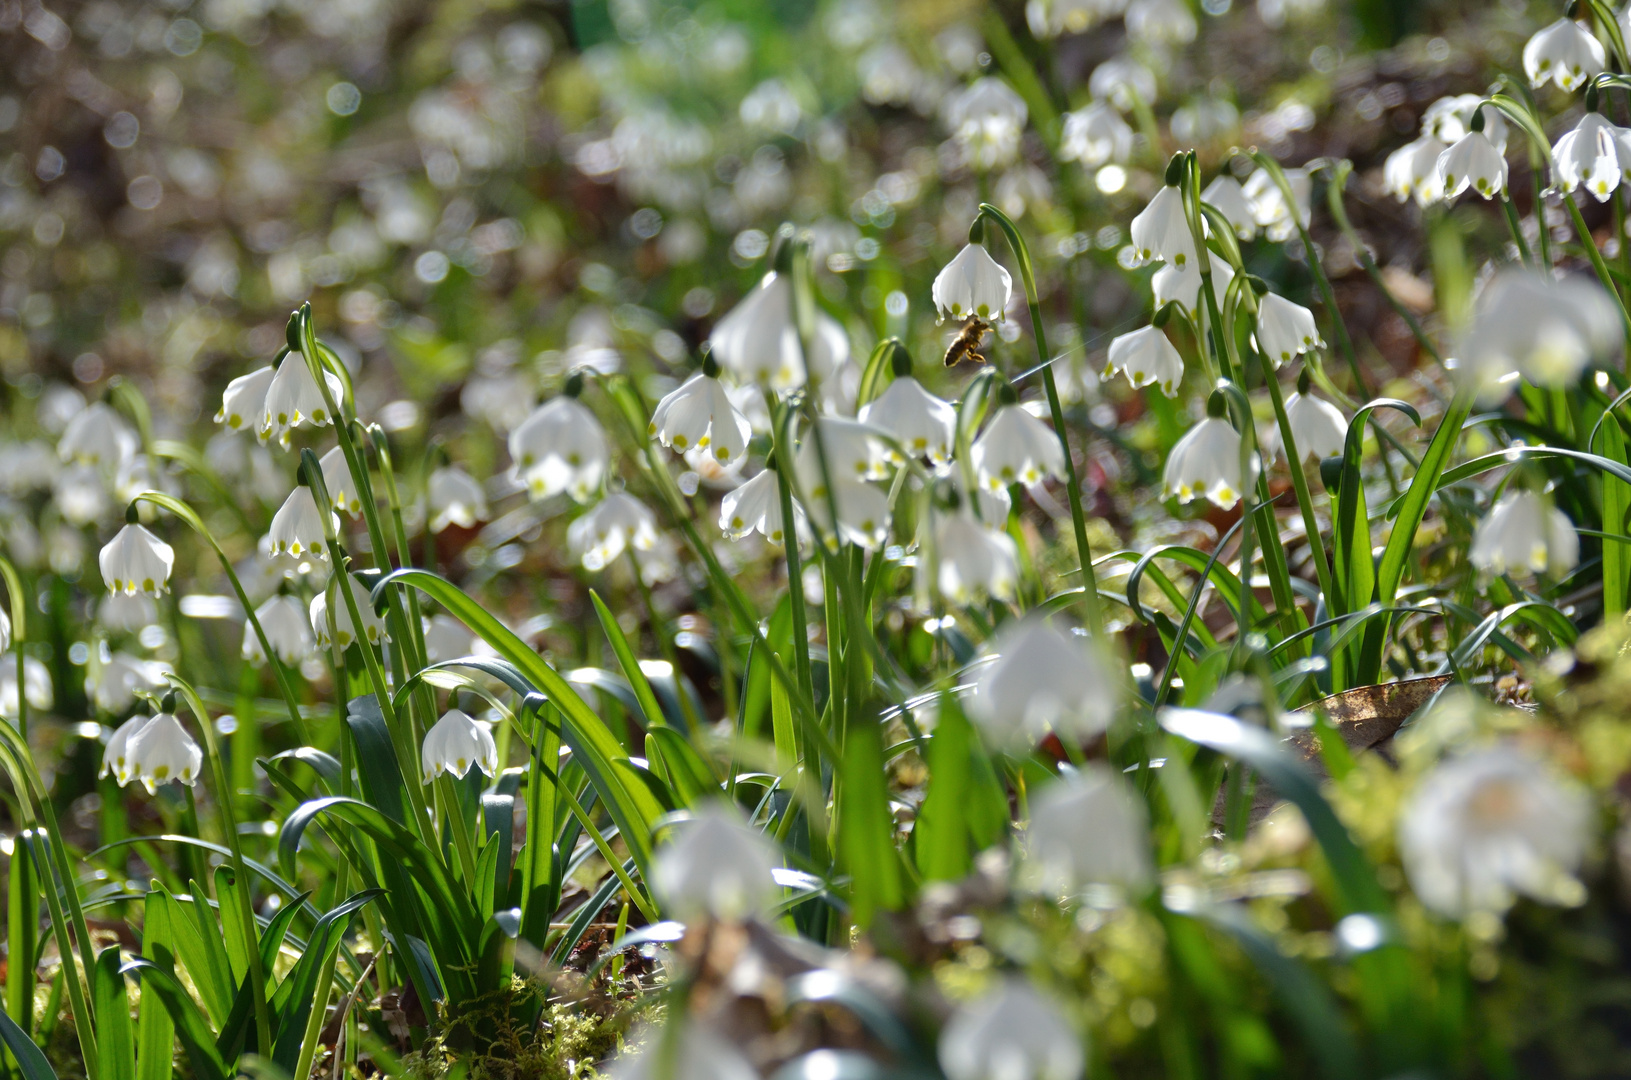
1268	202
121	612
297	527
1594	153
1521	534
1042	679
1285	329
757	341
700	414
1050	18
1096	135
1089	829
373	626
756	507
988	118
1543	327
1318	427
116	756
1449	119
560	447
1016	448
1145	356
1170	284
500	400
27	466
446	638
974	561
828	362
1012	1033
1226	194
36	685
1472	162
454	498
715	866
1121	81
1163	22
660	562
294	400
5	631
851	458
692	1052
97	436
850	450
1160	232
456	742
119	677
924	425
1565	53
974	284
81	494
161	751
288	631
1484	827
1412	171
136	561
244	400
342	488
1205	464
616	522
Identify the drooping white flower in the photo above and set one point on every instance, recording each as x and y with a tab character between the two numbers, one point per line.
1122	81
1205	463
1564	53
700	414
757	340
342	487
975	560
501	399
1041	678
1411	172
839	486
116	756
244	400
1543	327
294	400
1472	162
1161	233
372	624
114	686
1146	357
694	1051
1318	427
1449	119
1482	828
37	690
1161	22
97	436
756	507
660	562
925	425
827	361
1016	448
1594	153
297	527
1523	534
27	466
81	494
162	751
454	497
456	742
1169	284
136	561
559	448
1011	1033
987	118
119	612
288	631
1226	194
1268	202
616	522
446	638
1066	853
847	449
1285	329
1096	135
715	866
974	284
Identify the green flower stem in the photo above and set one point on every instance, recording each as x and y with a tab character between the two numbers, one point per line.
453	819
1597	263
1515	227
19	634
795	566
325	985
1339	214
229	825
1073	488
1605	17
665	642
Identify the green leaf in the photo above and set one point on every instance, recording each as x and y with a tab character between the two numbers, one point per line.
1616	504
214	956
237	937
629	663
30	1059
295	997
155	1031
941	835
686	771
240	1026
115	1042
866	829
378	769
197	1040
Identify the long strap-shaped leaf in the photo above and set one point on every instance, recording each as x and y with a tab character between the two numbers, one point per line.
30	1060
197	1040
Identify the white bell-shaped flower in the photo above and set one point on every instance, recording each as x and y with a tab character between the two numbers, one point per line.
81	495
446	638
456	742
1096	135
162	751
1524	534
116	756
244	400
1011	1033
1449	119
559	448
700	414
114	685
97	436
972	284
297	527
1063	855
827	360
1147	358
121	613
617	522
974	559
1543	327
1226	194
757	341
756	507
1122	81
1319	428
1268	202
924	425
715	866
1564	53
1205	463
294	400
1161	22
1038	679
288	631
37	689
988	119
1016	448
373	625
1411	172
1170	284
136	561
454	497
844	449
1472	162
692	1052
851	458
342	488
1285	329
1160	232
1594	153
1482	828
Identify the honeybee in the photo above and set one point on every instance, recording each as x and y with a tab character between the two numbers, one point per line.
966	345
